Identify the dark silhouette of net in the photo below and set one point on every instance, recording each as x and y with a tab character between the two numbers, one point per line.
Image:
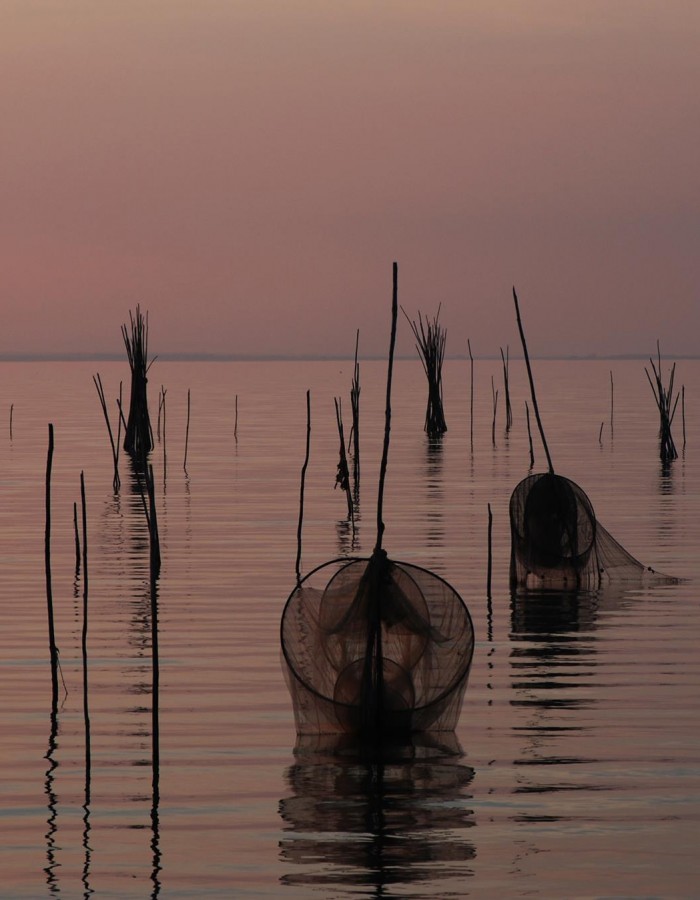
375	646
557	542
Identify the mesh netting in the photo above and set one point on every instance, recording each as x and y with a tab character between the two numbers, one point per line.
556	541
375	645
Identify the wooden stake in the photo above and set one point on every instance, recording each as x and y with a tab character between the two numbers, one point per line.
342	477
303	481
683	412
490	555
509	410
53	650
529	435
494	395
86	714
355	430
116	481
187	431
471	397
532	384
387	410
77	538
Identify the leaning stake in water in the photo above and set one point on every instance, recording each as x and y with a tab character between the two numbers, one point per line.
47	562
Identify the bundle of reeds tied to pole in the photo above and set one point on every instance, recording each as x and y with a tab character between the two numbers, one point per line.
138	440
430	343
666	406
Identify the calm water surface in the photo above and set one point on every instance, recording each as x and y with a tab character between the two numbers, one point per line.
575	768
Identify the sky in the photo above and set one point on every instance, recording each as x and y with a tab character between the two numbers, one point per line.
248	171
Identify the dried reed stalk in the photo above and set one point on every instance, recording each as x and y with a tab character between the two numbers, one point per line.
116	480
666	406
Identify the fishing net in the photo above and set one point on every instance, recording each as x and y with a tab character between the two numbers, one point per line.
373	645
556	541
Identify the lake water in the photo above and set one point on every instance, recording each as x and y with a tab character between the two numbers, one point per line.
575	768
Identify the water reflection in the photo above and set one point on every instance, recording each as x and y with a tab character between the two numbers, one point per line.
52	806
376	818
553	661
433	480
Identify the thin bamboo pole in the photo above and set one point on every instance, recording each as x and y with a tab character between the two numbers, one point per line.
303	482
187	431
532	384
53	649
529	435
84	636
471	397
387	409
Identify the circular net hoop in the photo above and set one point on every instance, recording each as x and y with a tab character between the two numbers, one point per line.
375	645
556	541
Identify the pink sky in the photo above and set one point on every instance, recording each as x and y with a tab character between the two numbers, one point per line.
248	171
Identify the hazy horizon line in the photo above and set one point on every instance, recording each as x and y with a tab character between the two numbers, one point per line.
272	357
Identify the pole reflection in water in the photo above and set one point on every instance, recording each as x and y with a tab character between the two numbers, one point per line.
553	662
396	815
85	876
52	806
434	491
154	573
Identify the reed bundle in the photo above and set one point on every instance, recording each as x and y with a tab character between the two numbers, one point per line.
138	440
666	404
430	342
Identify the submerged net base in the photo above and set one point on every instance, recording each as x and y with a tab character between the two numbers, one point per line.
557	543
371	645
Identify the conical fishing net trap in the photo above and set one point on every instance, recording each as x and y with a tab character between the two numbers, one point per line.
371	646
557	542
